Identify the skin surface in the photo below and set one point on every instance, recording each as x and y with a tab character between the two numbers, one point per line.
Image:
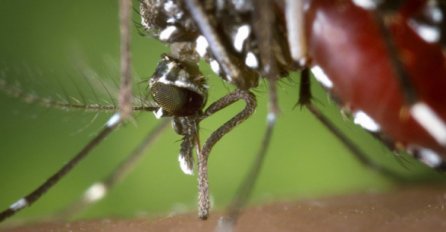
418	208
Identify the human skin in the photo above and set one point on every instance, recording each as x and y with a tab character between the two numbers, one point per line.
417	208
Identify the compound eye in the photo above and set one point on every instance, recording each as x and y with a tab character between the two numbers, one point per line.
175	100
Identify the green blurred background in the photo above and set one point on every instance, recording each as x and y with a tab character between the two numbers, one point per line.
49	47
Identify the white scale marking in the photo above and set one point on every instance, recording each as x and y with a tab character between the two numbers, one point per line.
430	34
167	33
271	118
96	192
295	26
251	60
240	36
184	166
367	4
215	66
114	120
169	6
322	77
436	14
20	204
144	23
159	113
201	46
365	121
163	79
429	157
171	20
430	121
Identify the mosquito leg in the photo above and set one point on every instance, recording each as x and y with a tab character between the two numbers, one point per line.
233	67
264	17
32	197
401	73
98	190
305	100
249	98
244	190
242	194
215	43
125	92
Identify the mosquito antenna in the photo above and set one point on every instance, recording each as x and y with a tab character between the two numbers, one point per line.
83	100
32	197
90	85
112	99
68	103
125	93
66	97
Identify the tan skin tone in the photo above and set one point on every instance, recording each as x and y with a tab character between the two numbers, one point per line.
417	208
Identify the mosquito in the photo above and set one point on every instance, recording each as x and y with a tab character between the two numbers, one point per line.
178	75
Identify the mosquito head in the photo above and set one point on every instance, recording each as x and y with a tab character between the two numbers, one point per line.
178	88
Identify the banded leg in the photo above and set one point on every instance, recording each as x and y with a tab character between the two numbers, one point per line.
430	29
203	155
305	100
98	190
215	43
113	122
227	222
265	38
32	197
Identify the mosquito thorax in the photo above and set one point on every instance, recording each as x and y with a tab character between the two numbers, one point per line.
178	88
170	22
167	20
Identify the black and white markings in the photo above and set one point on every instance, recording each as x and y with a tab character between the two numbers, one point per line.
251	60
365	121
201	46
428	24
295	22
167	33
185	165
178	88
166	20
430	121
427	156
368	4
242	33
18	205
114	120
321	77
95	192
215	66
